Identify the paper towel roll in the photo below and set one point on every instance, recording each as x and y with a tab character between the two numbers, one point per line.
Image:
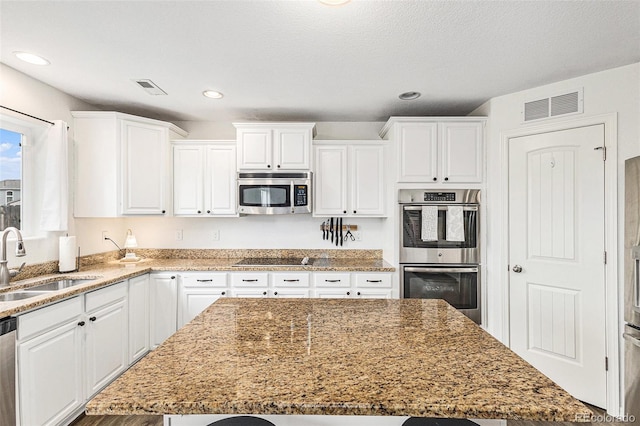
67	254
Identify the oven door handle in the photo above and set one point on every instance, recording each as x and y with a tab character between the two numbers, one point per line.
440	207
441	270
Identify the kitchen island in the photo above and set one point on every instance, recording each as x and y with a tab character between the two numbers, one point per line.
336	357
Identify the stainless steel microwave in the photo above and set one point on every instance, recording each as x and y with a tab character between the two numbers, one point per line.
274	193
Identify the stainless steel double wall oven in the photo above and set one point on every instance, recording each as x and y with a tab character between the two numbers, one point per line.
440	247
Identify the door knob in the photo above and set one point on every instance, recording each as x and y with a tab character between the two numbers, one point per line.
517	269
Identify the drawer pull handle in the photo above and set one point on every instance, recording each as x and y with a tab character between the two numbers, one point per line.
291	281
374	281
249	281
332	281
204	281
92	319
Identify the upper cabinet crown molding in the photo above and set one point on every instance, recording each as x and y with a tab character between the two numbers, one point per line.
438	149
122	164
274	146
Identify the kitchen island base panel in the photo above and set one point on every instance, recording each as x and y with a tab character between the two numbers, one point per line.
310	420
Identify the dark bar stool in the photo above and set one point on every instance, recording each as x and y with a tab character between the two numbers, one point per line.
242	421
432	421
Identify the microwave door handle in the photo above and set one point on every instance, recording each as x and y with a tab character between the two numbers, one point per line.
636	280
440	270
440	207
292	199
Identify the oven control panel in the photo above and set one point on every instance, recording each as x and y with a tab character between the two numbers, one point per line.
440	196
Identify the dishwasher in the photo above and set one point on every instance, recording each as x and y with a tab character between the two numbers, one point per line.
8	370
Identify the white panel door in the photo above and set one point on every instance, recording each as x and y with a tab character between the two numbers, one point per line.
292	149
367	180
138	299
163	304
143	150
50	375
556	255
461	151
418	152
106	345
255	149
220	179
195	300
187	180
330	180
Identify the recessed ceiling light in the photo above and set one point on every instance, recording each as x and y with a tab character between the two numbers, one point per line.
334	2
212	94
408	96
31	58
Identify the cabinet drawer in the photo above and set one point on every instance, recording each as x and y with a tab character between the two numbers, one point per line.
332	280
204	280
49	317
373	280
290	279
250	279
105	296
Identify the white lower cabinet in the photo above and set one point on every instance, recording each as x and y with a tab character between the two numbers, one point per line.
138	317
50	363
68	351
250	284
163	302
106	347
198	290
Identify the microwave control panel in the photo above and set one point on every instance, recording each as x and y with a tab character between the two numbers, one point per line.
300	194
440	196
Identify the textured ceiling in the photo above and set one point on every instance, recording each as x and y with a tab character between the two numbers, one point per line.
301	60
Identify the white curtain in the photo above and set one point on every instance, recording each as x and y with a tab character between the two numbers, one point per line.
55	204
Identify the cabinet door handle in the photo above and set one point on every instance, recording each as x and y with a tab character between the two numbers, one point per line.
208	211
249	281
164	211
275	293
358	293
92	319
223	293
291	281
268	166
264	293
278	165
354	212
204	281
173	277
332	281
446	178
435	179
344	211
81	323
199	211
374	281
348	293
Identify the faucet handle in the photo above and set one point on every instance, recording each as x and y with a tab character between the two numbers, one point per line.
14	272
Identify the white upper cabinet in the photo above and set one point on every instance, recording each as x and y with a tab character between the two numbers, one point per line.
121	164
437	150
274	146
349	179
204	178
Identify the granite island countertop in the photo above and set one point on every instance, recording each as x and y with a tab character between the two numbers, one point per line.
115	271
393	357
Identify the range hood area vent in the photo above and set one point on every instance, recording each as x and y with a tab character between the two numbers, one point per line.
553	106
150	87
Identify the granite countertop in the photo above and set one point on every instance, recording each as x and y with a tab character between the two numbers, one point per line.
115	271
336	357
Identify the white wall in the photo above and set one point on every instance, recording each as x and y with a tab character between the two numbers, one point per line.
23	93
612	91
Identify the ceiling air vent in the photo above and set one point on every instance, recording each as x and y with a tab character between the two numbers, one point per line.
150	87
553	106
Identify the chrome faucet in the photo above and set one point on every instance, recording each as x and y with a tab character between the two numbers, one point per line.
5	273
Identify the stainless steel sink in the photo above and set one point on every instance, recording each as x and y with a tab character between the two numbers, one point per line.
19	295
58	285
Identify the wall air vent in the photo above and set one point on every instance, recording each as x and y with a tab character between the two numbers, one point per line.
553	106
150	87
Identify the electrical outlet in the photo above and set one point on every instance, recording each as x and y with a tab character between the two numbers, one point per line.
215	235
178	234
357	235
105	235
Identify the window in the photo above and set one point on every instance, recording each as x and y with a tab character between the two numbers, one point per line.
10	179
